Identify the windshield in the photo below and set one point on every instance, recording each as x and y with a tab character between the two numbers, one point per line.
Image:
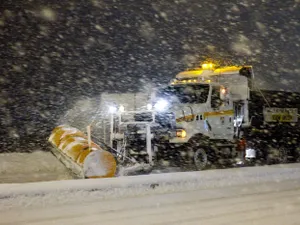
193	93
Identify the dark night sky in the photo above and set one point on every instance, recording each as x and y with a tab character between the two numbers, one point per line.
54	52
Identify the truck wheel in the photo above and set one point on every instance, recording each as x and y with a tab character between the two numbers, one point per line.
297	154
277	155
200	158
283	155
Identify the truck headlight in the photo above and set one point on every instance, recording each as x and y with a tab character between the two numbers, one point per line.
181	133
121	108
149	106
112	109
161	105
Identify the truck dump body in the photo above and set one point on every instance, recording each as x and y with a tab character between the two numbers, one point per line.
281	134
280	99
272	99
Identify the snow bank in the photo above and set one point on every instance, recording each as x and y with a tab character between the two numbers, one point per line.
165	182
71	192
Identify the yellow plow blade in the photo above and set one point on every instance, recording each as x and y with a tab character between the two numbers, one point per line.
90	161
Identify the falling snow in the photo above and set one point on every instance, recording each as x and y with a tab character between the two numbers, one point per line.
48	14
58	57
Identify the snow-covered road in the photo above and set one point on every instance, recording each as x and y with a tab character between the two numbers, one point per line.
31	167
258	195
246	204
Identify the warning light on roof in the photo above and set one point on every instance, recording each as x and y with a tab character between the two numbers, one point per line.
207	66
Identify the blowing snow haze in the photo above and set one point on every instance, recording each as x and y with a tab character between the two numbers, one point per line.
54	53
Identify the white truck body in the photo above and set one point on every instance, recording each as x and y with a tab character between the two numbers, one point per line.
202	118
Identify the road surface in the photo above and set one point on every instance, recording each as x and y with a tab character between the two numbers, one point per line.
31	167
274	201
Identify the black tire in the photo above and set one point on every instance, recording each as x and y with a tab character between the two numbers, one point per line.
203	156
283	155
192	157
277	155
200	158
297	154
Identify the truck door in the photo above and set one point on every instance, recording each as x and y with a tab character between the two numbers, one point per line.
239	116
221	116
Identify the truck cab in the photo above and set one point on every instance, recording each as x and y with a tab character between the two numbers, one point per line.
208	101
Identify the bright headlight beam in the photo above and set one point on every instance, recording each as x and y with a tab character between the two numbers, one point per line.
112	109
161	105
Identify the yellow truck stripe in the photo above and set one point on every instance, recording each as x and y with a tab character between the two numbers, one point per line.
205	115
219	113
186	118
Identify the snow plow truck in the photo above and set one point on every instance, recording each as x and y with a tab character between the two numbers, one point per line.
211	116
